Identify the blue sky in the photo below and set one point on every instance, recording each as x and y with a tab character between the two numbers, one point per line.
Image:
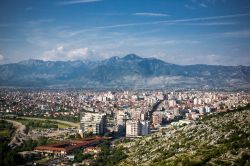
177	31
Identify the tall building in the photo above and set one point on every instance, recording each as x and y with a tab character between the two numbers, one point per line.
136	114
195	101
132	128
144	127
136	128
92	123
120	122
171	103
157	118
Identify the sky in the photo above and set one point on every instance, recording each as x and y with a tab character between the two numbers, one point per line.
214	32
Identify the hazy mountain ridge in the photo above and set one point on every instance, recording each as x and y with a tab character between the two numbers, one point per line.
129	71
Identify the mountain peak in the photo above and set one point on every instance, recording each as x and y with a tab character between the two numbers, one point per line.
125	72
114	58
132	57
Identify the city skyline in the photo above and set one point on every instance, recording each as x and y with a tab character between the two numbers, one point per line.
182	32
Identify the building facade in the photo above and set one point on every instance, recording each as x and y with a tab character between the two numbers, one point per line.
132	128
92	123
136	128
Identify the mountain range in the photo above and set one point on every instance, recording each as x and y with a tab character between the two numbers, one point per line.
130	71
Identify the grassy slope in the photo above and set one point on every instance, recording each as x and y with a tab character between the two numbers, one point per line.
67	123
26	121
4	133
222	139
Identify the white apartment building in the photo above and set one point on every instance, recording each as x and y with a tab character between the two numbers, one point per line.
132	128
136	128
92	123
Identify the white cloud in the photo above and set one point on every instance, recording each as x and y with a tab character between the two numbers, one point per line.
203	5
7	39
167	22
237	34
40	21
208	18
151	14
80	53
189	7
200	58
6	25
61	54
71	2
211	23
28	8
60	48
231	34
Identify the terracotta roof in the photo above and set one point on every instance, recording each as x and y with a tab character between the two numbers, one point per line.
69	146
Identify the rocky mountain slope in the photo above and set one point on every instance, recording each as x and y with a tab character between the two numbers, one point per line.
222	139
130	71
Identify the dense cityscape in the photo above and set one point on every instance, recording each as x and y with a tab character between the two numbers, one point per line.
124	83
96	116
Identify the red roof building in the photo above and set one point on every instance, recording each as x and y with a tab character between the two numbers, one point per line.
67	147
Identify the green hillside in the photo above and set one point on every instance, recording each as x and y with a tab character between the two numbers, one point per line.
221	139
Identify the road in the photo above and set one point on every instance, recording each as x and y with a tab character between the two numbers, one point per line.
154	108
72	124
20	134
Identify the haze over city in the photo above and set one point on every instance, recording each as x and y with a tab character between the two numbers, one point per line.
181	32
